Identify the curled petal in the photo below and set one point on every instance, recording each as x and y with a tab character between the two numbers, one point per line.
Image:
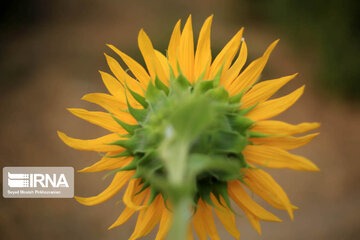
138	71
120	179
148	219
100	144
132	189
254	220
165	223
243	200
123	77
128	212
263	185
107	164
203	222
226	216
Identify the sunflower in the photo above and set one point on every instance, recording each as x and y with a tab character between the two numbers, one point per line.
189	134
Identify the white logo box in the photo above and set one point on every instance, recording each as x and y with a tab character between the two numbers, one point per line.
38	182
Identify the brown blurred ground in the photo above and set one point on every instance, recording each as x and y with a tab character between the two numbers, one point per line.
50	65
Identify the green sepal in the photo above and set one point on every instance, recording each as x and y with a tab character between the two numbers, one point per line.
125	153
204	86
160	85
218	93
204	192
171	70
138	114
216	79
128	127
245	111
127	135
154	95
145	185
221	189
129	144
130	166
229	141
236	98
240	123
153	193
140	99
201	77
180	83
253	134
240	157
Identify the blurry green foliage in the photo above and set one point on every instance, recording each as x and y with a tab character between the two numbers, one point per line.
331	27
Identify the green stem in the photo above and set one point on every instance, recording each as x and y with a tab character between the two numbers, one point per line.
182	214
175	153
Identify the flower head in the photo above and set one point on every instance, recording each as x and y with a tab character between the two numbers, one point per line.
190	134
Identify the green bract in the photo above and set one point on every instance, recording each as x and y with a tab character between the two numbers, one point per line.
189	139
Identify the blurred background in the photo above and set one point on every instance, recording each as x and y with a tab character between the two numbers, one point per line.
50	52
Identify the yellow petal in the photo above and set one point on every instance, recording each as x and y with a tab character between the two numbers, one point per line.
189	234
123	77
263	185
278	127
248	77
203	50
128	212
102	119
113	85
264	90
138	71
148	219
164	64
165	223
276	106
186	51
284	142
226	55
253	220
203	222
274	157
174	47
230	75
226	216
132	189
152	62
120	179
125	215
243	200
100	144
106	101
107	164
